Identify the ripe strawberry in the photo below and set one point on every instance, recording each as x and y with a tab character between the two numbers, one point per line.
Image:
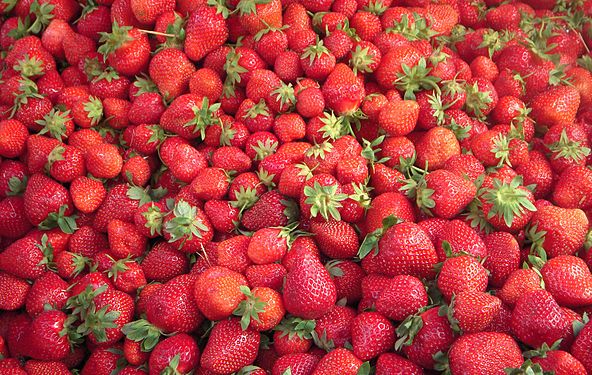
262	309
187	227
538	319
44	337
206	30
217	292
49	202
87	194
571	188
14	136
404	249
403	296
343	91
392	63
13	217
170	69
147	12
495	352
66	163
372	335
172	307
556	240
112	310
435	147
300	363
503	257
399	118
230	348
125	240
164	262
422	336
568	279
472	311
177	353
389	363
309	291
270	210
335	239
14	293
339	360
461	273
126	49
580	346
34	367
558	105
559	361
48	289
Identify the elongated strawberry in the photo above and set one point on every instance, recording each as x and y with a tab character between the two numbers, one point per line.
206	30
126	49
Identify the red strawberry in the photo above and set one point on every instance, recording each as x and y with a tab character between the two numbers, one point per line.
206	30
580	348
403	296
341	361
48	289
557	105
176	353
372	335
14	292
229	347
45	339
491	352
389	363
170	69
569	280
309	291
126	49
554	239
342	90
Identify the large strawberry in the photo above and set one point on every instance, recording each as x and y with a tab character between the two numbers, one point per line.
126	49
48	202
229	347
557	105
309	291
343	91
206	30
569	280
557	239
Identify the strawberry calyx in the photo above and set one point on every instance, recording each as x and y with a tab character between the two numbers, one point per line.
16	186
153	216
144	85
476	218
333	126
494	41
568	149
246	7
118	266
54	123
112	41
477	100
204	116
27	89
43	16
585	62
172	366
22	28
558	76
361	195
245	198
259	109
416	78
47	249
108	74
416	188
361	59
175	34
67	224
438	106
322	341
319	150
371	240
408	329
268	29
543	350
501	149
528	367
221	7
536	238
508	200
333	268
233	72
292	326
145	195
315	51
56	154
97	322
447	310
79	263
185	224
441	363
29	66
144	332
412	29
324	200
266	178
376	7
460	132
264	148
249	308
371	150
285	95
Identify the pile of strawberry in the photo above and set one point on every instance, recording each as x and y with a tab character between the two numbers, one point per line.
304	187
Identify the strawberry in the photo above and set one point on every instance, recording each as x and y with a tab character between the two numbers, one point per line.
48	202
172	307
403	249
87	194
13	218
538	319
372	335
403	296
579	348
14	292
435	147
568	193
177	353
270	210
389	363
163	254
147	12
461	273
557	105
109	312
471	311
503	256
206	30
335	239
559	361
555	240
262	309
217	292
342	90
568	279
102	361
167	64
392	63
399	118
126	49
48	289
422	336
256	15
442	193
187	227
495	352
339	360
230	348
34	367
66	163
14	135
300	363
45	339
309	291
